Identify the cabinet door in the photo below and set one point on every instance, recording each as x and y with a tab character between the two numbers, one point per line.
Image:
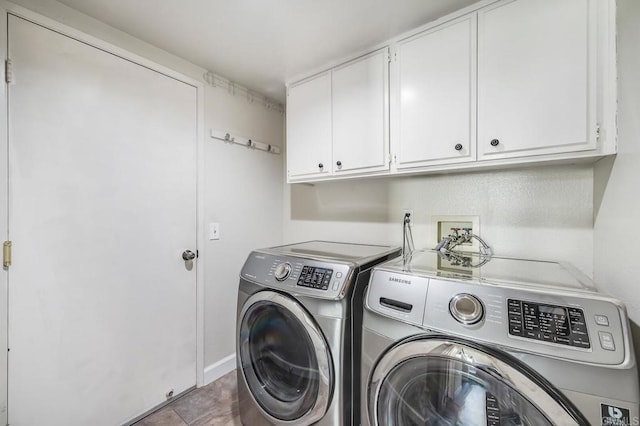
435	96
536	75
309	128
360	115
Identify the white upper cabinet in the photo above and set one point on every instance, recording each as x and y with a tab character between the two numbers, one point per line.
500	83
338	121
360	115
309	128
434	96
536	78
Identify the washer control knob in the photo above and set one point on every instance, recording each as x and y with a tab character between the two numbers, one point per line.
283	271
466	309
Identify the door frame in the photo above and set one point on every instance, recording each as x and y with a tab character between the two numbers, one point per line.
7	8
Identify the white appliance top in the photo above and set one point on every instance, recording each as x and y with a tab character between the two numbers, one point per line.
358	254
494	270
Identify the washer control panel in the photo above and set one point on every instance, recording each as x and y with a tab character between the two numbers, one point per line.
563	325
578	326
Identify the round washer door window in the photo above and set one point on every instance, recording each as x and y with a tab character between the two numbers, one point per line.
446	382
285	359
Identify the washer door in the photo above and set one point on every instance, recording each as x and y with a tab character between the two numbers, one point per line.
286	362
437	380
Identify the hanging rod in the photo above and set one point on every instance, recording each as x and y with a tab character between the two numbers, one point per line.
233	88
241	140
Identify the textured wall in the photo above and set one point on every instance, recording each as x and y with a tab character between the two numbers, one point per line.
541	212
617	181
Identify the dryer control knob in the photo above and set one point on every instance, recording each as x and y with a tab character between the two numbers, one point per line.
466	309
283	271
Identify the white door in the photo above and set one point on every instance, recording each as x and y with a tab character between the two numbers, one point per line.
436	95
309	128
536	78
360	114
102	198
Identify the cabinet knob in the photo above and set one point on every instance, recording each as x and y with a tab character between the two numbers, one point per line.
320	165
339	163
458	147
494	142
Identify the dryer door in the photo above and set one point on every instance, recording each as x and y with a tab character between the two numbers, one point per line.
438	380
285	359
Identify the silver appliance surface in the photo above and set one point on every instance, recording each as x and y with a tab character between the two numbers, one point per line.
358	254
496	270
298	332
318	269
484	329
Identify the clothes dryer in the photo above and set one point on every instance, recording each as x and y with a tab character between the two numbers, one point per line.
298	332
499	341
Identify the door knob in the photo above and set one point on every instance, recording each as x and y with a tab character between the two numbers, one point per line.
188	255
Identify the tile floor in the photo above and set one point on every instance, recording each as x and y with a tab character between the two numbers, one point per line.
213	405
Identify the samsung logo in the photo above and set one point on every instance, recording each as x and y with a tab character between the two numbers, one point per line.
399	280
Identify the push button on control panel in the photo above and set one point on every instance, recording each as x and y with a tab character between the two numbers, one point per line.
606	341
602	320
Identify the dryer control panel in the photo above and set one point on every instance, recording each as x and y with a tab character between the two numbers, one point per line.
323	280
315	277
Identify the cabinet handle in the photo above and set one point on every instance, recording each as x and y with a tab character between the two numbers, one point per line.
458	147
320	165
494	142
339	163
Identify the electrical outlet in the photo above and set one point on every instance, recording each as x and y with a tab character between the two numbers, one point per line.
405	211
442	227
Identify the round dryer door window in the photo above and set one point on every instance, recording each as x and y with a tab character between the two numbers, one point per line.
285	359
435	381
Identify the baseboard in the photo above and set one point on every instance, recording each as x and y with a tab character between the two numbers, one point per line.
218	369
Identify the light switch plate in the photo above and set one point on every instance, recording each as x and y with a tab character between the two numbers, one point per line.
214	231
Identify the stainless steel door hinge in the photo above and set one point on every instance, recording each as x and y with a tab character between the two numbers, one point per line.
6	254
8	71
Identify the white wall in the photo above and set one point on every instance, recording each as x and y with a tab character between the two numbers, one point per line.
541	212
617	181
243	192
242	188
68	16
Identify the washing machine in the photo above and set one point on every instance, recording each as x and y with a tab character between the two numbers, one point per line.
298	332
471	340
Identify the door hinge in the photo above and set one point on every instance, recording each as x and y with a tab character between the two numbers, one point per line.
8	71
597	132
6	254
